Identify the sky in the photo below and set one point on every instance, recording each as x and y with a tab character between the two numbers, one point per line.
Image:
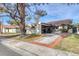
56	12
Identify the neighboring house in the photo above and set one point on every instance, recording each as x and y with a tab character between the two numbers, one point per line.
10	29
30	29
15	29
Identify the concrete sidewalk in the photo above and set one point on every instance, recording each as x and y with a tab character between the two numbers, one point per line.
28	49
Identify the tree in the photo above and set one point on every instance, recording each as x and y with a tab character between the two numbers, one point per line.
38	14
18	12
21	12
13	22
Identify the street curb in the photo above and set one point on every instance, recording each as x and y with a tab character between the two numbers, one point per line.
17	50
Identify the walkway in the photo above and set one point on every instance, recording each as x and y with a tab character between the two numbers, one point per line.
50	40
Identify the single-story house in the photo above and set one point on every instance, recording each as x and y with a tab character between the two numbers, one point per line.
10	29
55	25
14	29
60	22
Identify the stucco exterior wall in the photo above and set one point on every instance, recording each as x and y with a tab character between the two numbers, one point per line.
9	30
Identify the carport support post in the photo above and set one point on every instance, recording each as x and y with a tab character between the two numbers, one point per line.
38	28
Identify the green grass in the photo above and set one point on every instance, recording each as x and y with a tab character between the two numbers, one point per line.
9	34
70	43
29	38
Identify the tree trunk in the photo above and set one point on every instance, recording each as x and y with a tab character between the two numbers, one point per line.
21	11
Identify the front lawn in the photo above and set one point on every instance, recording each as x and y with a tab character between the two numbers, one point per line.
27	38
70	43
30	38
9	35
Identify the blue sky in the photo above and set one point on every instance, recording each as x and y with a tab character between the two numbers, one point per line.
56	12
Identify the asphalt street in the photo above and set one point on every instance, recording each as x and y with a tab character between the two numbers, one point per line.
5	51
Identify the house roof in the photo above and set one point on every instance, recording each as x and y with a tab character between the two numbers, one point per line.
46	24
10	26
57	23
